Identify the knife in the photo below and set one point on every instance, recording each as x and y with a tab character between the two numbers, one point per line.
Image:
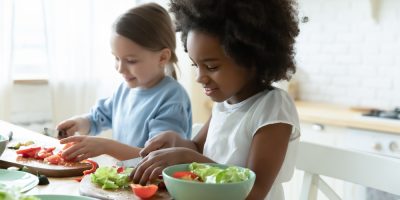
129	163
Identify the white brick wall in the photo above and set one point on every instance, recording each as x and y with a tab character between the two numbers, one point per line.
345	56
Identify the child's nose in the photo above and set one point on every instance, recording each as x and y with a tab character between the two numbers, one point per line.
201	77
119	67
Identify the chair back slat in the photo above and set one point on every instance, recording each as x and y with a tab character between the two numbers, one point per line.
367	169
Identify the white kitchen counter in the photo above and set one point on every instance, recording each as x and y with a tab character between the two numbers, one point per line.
345	117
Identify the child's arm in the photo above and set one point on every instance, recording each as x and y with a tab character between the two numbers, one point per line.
89	146
157	155
169	139
266	156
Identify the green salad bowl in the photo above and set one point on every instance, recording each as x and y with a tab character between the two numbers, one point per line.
181	189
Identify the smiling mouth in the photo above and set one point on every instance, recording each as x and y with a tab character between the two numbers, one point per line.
129	79
209	91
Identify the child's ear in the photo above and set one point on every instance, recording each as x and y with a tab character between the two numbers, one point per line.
165	56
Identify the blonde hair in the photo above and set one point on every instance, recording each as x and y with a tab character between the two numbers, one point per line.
150	26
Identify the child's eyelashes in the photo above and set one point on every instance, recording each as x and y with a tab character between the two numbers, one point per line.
129	61
212	68
208	67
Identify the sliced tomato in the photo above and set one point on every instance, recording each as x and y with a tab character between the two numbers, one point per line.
49	149
186	175
45	152
54	159
29	152
144	192
28	149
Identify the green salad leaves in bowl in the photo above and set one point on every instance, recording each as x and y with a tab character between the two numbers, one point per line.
209	181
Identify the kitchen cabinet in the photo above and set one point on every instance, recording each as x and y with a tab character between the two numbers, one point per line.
321	133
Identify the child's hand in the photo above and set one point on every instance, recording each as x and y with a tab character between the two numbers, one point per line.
72	125
150	167
163	140
84	147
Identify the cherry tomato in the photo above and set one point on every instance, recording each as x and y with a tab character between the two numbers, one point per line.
144	192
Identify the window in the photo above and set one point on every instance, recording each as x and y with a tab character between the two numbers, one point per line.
29	45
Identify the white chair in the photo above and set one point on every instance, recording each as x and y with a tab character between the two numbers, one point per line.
367	169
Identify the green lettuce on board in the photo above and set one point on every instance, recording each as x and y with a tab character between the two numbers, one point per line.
109	178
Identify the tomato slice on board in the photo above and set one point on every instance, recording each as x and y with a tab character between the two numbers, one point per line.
45	152
54	159
144	192
186	175
28	150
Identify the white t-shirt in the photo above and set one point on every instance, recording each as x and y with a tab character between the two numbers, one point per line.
233	126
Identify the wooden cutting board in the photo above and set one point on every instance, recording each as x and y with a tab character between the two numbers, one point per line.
11	159
87	188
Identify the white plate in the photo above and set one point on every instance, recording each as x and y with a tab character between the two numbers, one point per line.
23	180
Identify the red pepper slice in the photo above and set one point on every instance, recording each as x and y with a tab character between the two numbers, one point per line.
144	192
93	169
89	171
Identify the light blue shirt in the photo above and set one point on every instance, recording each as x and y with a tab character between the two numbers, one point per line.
136	115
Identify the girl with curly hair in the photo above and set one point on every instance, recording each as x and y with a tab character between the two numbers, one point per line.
238	48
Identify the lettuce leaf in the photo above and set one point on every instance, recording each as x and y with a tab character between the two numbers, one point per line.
210	174
109	178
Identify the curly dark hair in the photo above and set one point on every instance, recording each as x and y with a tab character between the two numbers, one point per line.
255	33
